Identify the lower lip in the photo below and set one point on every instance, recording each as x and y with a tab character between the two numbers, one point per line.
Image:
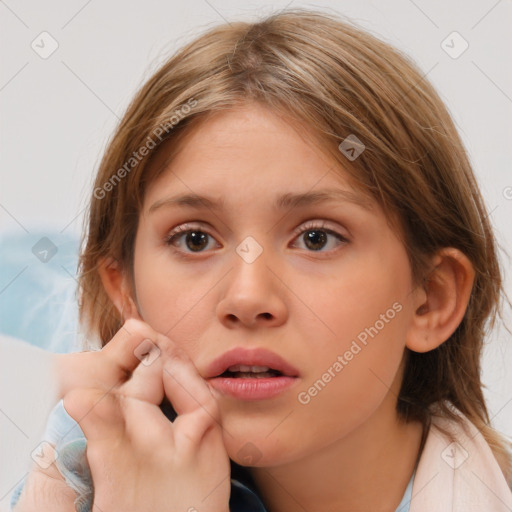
252	388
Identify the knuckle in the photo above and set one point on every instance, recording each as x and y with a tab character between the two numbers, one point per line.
78	401
90	404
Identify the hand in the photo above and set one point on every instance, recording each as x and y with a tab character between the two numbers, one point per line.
103	368
139	460
45	489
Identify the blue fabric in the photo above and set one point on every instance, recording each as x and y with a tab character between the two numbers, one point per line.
63	432
406	500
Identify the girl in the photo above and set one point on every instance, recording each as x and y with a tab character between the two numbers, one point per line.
286	242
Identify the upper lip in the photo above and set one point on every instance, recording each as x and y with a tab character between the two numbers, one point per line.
250	357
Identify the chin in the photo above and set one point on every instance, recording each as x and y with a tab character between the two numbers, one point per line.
259	451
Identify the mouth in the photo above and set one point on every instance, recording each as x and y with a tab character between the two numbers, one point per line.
241	371
256	374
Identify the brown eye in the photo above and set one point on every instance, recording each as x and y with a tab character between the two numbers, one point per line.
196	240
189	240
315	239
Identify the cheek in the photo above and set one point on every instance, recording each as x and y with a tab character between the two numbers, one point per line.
366	300
346	384
168	297
350	375
357	358
157	287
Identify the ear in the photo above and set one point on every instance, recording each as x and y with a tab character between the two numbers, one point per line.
116	284
441	301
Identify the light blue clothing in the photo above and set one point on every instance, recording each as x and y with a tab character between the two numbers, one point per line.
65	434
406	500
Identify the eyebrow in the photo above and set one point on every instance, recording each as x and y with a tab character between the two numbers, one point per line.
282	202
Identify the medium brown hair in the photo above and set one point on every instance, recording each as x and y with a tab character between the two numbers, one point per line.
337	80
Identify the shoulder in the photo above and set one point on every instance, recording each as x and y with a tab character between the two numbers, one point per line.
457	469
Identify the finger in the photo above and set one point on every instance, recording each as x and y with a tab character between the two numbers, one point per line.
191	429
135	342
97	412
146	383
146	425
183	385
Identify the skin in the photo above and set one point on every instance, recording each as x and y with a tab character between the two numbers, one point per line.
139	460
307	306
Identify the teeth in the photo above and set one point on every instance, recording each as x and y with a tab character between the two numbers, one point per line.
249	369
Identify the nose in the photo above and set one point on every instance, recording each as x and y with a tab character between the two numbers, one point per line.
253	296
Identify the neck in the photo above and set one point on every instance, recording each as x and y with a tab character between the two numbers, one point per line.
366	470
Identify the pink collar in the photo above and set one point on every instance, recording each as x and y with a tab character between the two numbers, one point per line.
458	473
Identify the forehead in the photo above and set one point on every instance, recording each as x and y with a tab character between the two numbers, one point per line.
248	151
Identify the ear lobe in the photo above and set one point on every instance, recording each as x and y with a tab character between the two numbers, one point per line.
117	287
442	301
131	310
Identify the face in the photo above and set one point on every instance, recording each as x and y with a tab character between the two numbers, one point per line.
286	263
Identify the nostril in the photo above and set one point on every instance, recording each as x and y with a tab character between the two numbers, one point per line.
234	318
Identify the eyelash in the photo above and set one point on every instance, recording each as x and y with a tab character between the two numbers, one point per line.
184	229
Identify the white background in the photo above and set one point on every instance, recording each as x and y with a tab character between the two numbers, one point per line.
57	113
